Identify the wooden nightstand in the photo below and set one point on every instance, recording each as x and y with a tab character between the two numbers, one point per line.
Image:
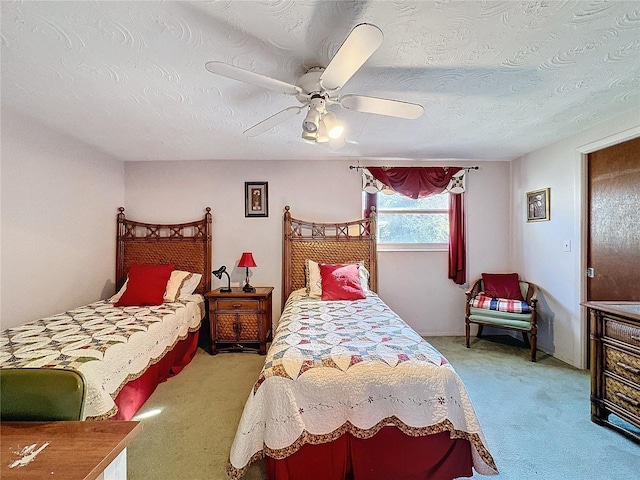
240	320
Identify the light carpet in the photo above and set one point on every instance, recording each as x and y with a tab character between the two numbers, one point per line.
535	416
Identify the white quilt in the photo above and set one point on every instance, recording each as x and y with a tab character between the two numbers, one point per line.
350	366
109	345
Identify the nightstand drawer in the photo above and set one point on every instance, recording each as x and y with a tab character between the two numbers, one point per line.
623	364
237	304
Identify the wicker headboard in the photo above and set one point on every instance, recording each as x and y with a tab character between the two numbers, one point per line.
185	245
345	242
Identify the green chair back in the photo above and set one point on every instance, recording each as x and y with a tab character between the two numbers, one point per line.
41	394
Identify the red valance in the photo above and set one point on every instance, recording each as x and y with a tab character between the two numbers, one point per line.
415	182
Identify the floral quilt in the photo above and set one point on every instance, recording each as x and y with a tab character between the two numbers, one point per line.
109	345
350	366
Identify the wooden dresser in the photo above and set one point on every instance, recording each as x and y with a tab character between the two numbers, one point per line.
240	320
615	364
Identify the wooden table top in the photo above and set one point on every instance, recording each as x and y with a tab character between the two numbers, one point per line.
238	292
62	450
625	309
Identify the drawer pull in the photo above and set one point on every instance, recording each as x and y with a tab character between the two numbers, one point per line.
629	368
630	400
237	305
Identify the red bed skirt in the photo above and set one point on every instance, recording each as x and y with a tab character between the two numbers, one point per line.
390	454
136	392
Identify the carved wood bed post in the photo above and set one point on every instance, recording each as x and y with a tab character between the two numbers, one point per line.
286	255
373	258
208	254
120	248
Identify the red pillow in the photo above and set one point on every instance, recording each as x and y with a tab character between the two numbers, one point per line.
340	282
146	285
502	285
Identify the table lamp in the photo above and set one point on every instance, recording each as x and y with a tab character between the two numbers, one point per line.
218	273
247	261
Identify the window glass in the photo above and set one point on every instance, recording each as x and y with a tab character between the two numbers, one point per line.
405	223
400	201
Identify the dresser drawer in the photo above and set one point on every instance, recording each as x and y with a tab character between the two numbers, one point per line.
236	304
622	395
623	332
623	364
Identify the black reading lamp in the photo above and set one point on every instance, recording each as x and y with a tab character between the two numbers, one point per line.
218	273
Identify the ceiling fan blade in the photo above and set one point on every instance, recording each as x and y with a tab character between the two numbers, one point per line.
237	73
272	121
382	106
361	43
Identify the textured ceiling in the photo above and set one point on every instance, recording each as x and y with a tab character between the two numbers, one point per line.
497	79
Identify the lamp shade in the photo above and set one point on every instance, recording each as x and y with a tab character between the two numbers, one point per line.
247	260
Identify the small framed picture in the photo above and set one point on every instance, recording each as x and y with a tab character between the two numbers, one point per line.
538	203
256	200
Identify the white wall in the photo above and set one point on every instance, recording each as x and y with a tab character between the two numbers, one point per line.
59	203
538	246
414	284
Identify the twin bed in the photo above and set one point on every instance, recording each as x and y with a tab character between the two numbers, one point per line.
348	389
124	352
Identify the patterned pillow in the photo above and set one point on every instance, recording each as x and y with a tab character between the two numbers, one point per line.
500	304
175	284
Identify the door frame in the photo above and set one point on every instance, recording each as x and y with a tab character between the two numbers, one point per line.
582	153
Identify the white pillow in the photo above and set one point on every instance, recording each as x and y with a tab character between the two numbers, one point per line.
117	296
314	281
175	285
190	285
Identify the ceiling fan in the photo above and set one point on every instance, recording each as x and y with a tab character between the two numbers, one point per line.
318	88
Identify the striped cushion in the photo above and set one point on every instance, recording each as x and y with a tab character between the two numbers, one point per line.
500	304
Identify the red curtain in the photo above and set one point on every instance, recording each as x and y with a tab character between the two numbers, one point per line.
416	182
457	247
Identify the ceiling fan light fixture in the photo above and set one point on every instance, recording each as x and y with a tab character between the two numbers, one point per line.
309	136
333	127
312	121
323	133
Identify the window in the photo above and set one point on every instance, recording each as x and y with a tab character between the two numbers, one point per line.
408	224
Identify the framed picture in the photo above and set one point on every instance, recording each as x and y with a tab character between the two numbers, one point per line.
538	203
256	201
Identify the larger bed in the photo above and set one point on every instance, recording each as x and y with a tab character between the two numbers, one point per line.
125	351
348	389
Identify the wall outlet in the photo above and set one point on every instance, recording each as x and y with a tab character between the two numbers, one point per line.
566	246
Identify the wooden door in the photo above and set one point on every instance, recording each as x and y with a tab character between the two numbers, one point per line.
613	246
